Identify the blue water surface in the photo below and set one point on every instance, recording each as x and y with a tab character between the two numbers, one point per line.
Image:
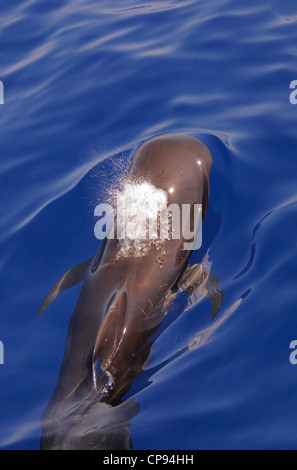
88	80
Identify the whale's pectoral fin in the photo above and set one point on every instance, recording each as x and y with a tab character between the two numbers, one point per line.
69	279
108	339
196	280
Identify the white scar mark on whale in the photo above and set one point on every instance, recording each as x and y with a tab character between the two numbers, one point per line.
145	314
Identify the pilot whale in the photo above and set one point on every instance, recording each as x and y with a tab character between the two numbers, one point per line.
122	303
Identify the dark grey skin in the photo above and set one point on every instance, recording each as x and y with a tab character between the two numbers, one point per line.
122	303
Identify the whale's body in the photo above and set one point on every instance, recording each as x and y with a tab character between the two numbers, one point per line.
123	301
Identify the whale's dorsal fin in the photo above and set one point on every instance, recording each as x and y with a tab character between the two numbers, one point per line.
109	338
195	279
69	279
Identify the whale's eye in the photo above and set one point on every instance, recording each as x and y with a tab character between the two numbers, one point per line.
98	256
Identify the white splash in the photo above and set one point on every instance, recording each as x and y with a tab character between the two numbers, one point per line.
141	203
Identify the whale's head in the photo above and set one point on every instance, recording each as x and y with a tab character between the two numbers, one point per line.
166	186
177	164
